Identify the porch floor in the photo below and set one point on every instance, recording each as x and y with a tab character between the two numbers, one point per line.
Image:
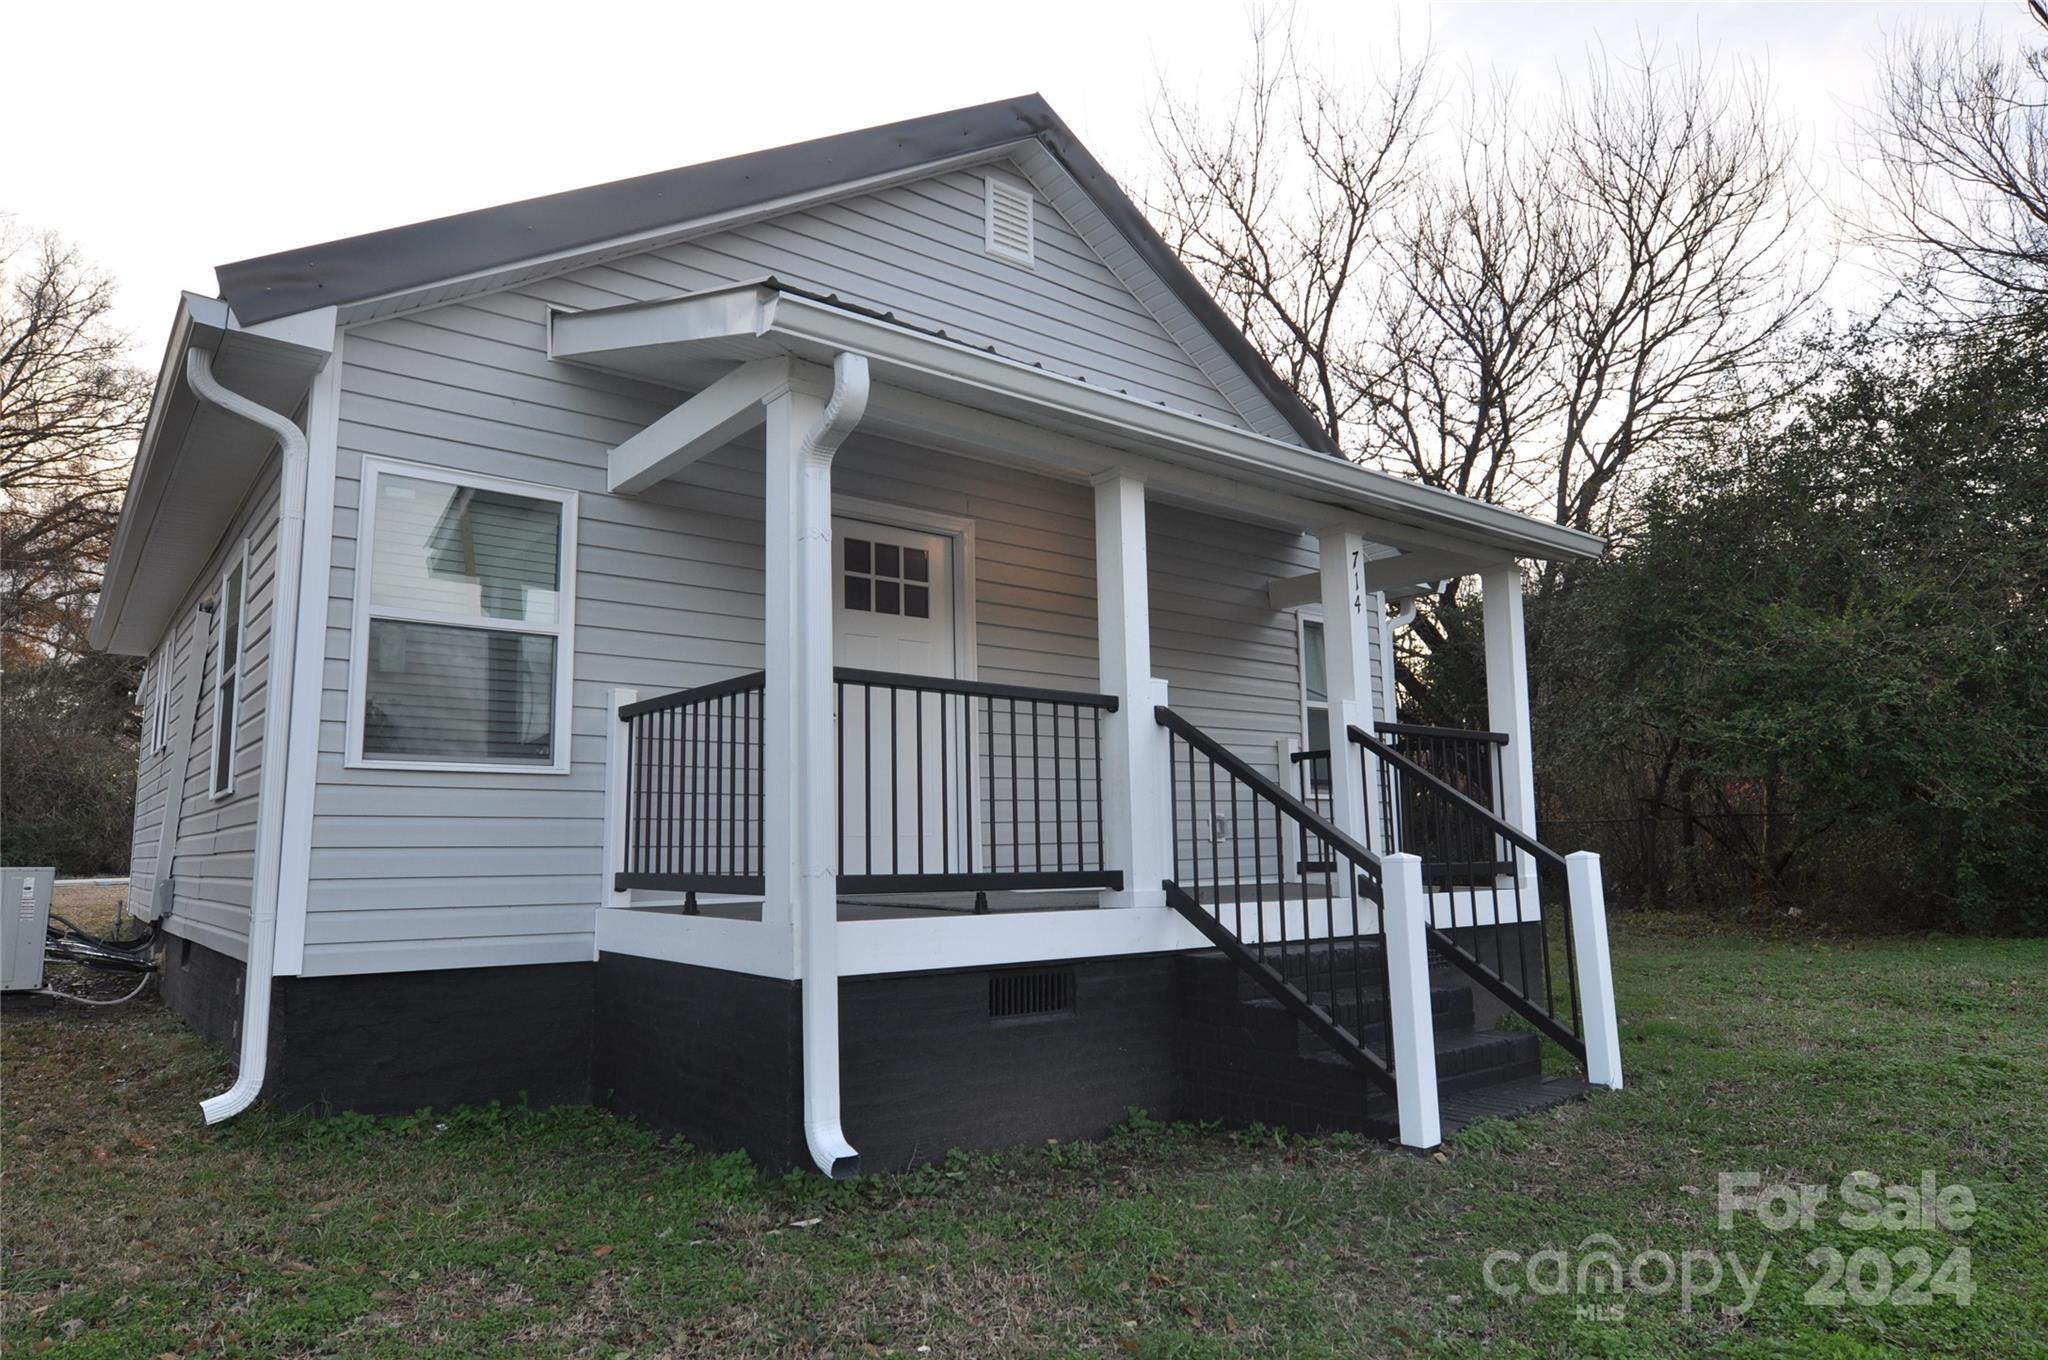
899	907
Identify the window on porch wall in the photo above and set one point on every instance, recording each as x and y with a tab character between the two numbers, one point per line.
464	639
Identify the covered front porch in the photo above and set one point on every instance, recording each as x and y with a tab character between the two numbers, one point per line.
867	805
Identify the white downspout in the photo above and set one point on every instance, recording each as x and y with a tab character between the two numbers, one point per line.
818	902
277	718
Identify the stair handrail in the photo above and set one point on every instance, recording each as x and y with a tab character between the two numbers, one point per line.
1465	802
1545	1022
1320	825
1361	884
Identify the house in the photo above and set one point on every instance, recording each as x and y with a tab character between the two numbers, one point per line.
843	652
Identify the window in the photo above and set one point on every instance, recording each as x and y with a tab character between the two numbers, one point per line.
1315	697
228	604
884	578
1007	225
156	702
464	603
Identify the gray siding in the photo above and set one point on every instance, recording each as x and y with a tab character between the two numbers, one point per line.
215	852
428	869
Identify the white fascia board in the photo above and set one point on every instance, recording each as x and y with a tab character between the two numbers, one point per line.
196	316
209	325
815	330
1305	472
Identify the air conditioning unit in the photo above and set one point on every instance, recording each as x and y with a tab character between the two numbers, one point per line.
24	920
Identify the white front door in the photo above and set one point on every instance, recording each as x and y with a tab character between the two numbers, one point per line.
904	766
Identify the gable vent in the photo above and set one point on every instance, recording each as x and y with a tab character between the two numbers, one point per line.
1030	993
1009	220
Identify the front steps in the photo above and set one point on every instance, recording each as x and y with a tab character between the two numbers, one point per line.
1245	1059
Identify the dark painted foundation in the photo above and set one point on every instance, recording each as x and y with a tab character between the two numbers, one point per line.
974	1058
387	1043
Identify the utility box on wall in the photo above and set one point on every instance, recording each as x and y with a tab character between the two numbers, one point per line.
24	920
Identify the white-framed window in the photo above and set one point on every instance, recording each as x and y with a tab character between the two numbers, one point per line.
156	723
229	607
1315	696
464	622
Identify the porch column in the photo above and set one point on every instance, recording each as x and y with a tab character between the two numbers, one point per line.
805	424
1507	697
1134	792
1349	623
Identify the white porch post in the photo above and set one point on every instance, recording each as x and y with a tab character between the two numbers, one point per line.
1507	700
1601	1024
1134	792
1348	626
805	426
1405	919
618	752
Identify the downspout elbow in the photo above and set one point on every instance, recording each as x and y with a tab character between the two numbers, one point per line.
260	965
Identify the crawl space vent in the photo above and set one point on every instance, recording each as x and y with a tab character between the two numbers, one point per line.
1009	219
1030	993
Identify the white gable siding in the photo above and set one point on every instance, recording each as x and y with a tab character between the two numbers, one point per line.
215	856
917	251
424	869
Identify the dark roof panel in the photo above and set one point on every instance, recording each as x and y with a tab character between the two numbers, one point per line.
357	268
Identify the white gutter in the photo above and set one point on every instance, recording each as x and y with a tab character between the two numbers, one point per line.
905	357
818	907
277	717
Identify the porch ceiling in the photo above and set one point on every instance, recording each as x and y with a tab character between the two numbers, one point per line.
928	385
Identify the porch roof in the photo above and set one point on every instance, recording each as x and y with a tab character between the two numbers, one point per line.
927	383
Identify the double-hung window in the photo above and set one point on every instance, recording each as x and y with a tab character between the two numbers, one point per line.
464	622
228	605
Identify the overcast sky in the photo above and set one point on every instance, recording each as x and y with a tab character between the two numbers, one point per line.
166	139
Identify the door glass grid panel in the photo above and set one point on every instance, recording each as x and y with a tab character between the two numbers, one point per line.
886	578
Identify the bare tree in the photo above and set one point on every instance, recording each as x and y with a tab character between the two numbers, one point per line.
1524	306
1457	364
1960	138
1687	272
1279	204
71	408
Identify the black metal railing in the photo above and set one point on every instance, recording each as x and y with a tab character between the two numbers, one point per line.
944	786
1312	786
693	789
964	785
1455	851
1500	900
1286	895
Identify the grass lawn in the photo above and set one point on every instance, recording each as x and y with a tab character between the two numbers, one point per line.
571	1233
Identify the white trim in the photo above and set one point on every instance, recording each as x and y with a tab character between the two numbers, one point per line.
1412	1037
562	629
302	756
1303	617
226	725
1135	828
993	186
1393	510
1601	1023
617	752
